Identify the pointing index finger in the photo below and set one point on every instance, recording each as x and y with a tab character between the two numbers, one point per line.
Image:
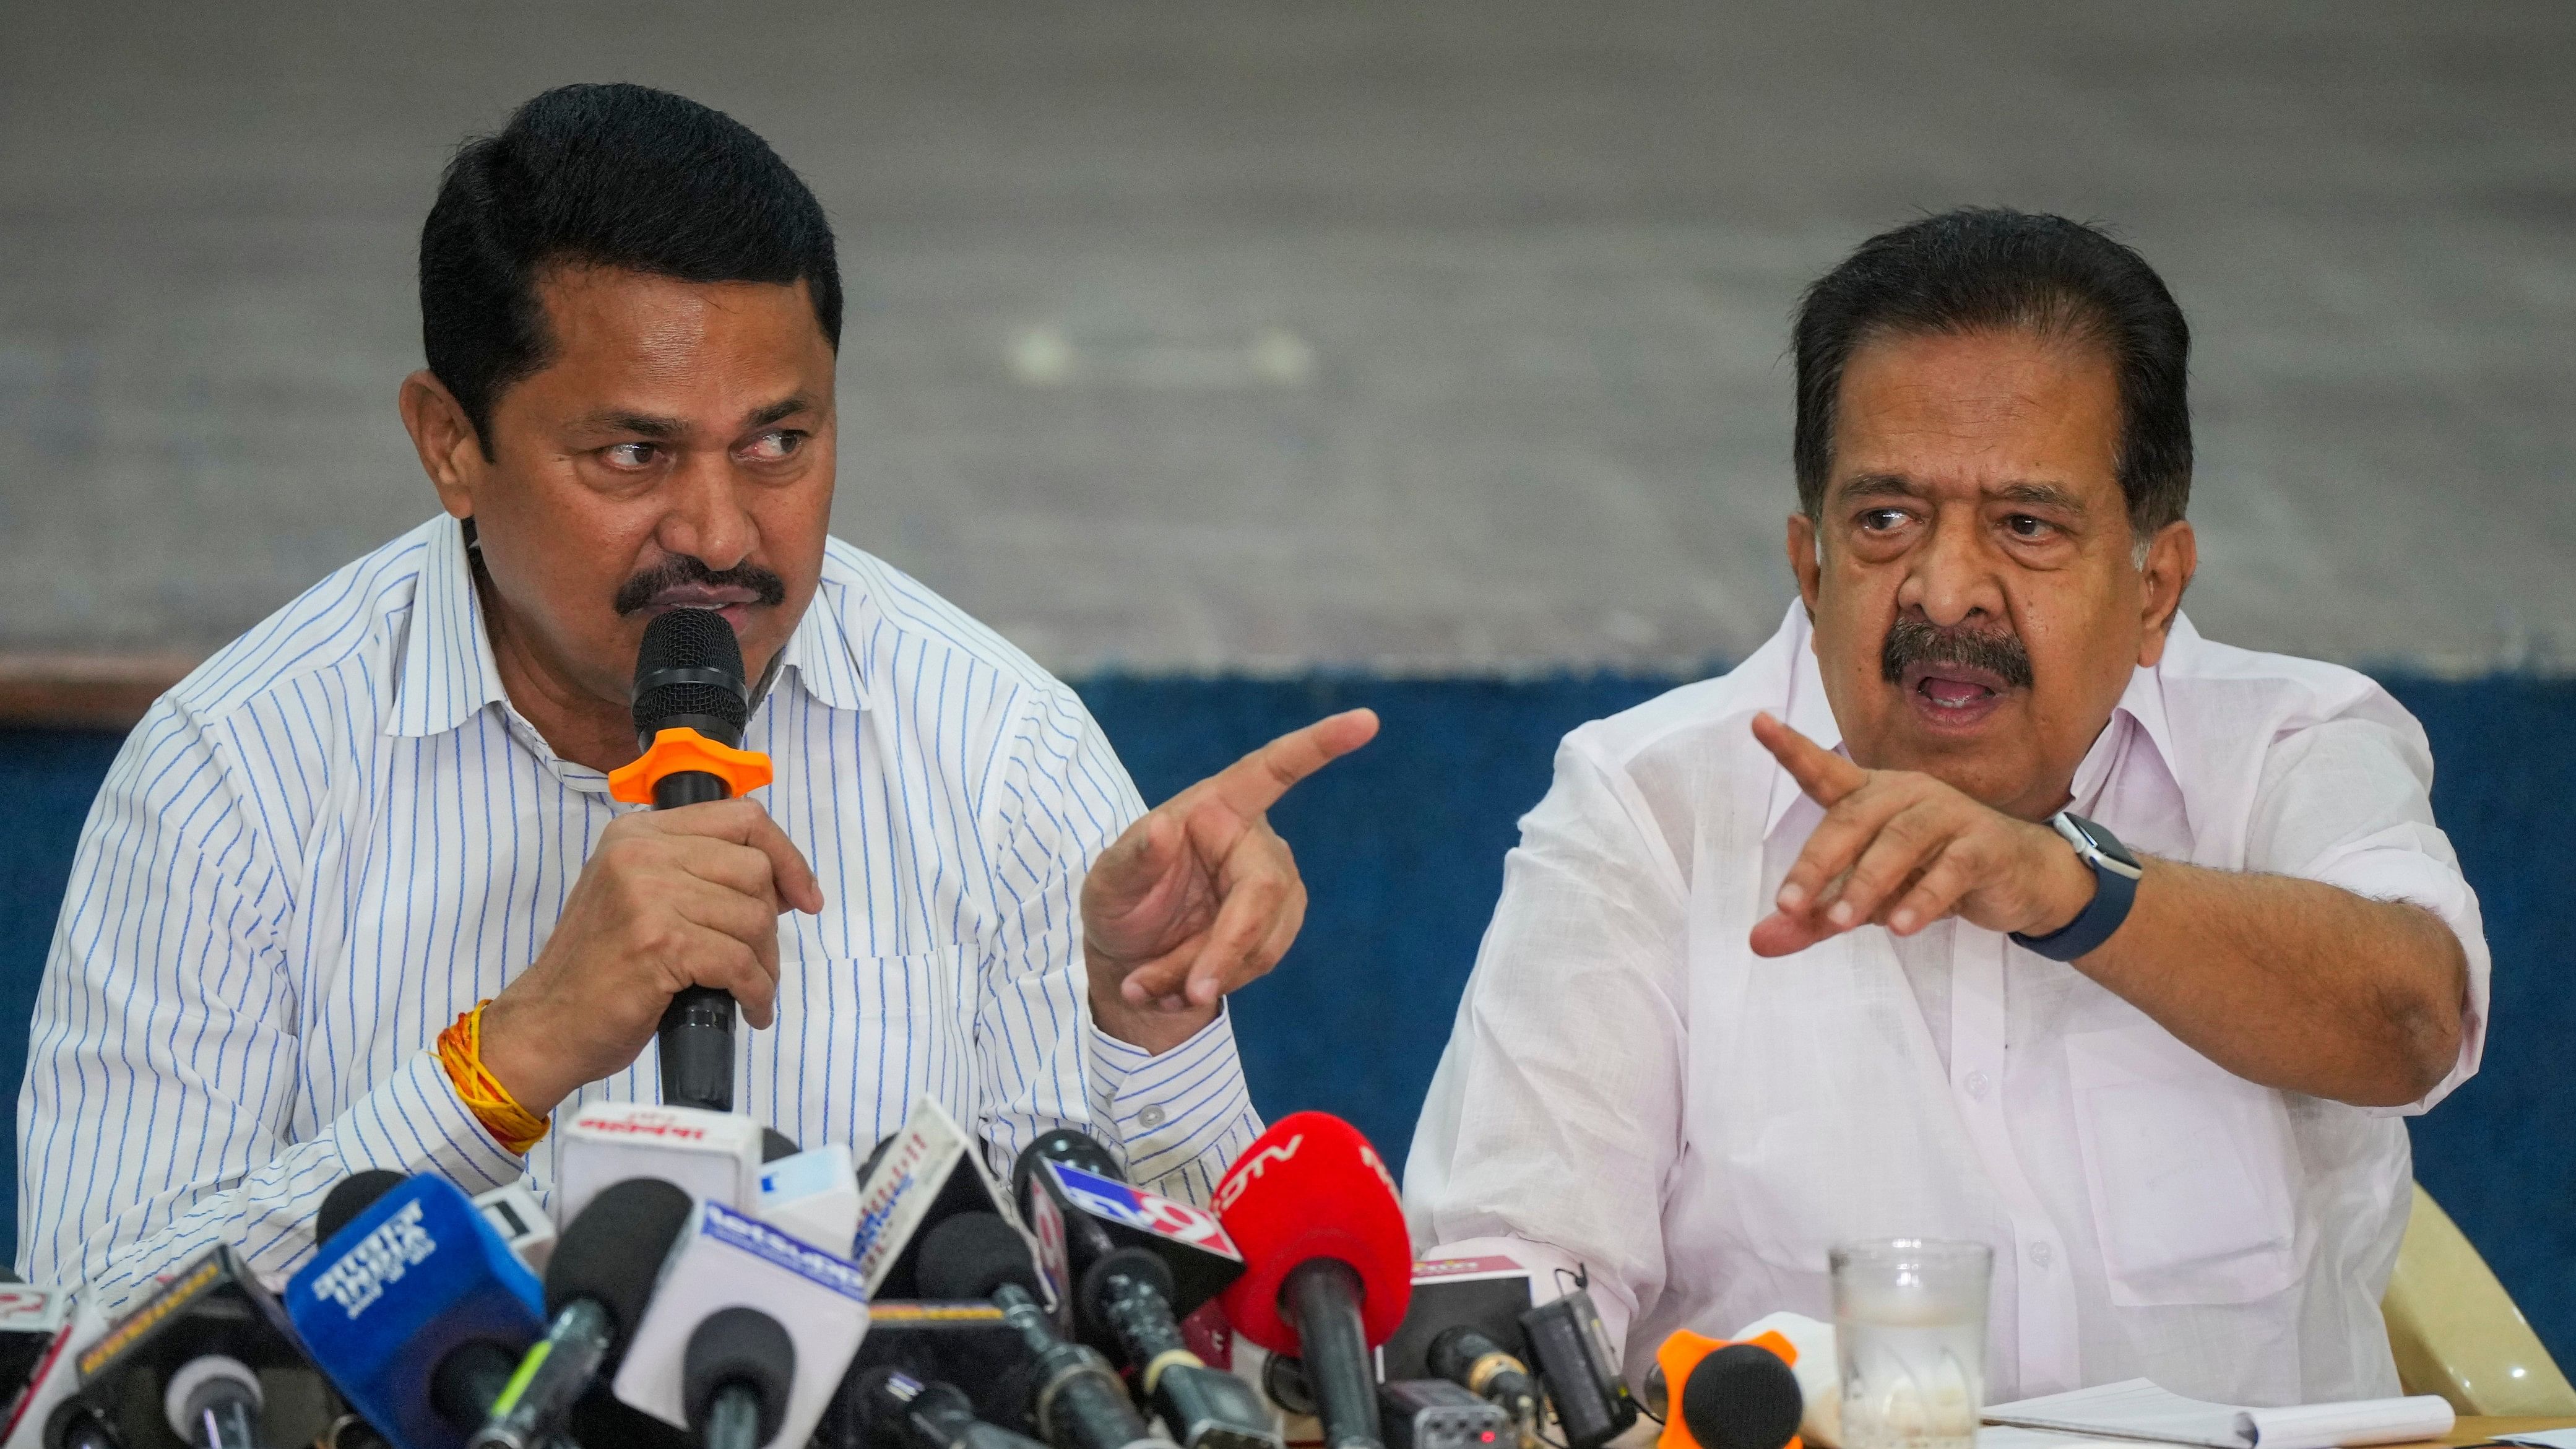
1254	783
1824	775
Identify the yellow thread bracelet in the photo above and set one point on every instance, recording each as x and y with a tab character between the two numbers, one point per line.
460	1051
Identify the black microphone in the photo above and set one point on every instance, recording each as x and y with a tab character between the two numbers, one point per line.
1076	1401
597	1284
351	1196
1120	1250
899	1411
1472	1360
688	677
197	1346
734	1378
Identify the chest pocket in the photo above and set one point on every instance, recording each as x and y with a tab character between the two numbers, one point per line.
2189	1168
859	1039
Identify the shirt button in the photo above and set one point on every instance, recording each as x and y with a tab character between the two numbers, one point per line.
2042	1254
1150	1118
1976	1084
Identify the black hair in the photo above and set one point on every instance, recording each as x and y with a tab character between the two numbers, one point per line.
603	175
1981	268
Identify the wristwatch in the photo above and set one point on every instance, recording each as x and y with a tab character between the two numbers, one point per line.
2115	889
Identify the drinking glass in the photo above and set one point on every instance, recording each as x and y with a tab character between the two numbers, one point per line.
1910	1334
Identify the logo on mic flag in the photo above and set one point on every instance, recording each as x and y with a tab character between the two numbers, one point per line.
1115	1201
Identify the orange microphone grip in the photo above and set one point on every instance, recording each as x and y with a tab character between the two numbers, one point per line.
684	750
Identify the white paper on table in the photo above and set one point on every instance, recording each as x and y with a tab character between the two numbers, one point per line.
2005	1436
2542	1439
2137	1409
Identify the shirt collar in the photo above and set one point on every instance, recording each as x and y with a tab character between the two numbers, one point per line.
447	672
828	665
1811	714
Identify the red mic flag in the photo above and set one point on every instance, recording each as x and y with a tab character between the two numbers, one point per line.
1312	1187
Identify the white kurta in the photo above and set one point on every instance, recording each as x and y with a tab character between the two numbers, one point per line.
1629	1088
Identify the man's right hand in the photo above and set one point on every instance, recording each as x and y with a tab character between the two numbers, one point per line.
670	899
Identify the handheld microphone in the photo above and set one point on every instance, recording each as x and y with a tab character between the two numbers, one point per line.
735	1377
811	1195
1125	1255
195	1350
1574	1358
1315	1214
416	1310
1467	1357
690	707
1076	1400
596	1288
924	1174
711	1155
899	1411
349	1197
679	1362
1719	1395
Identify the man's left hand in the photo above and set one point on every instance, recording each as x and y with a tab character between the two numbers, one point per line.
1904	850
1201	895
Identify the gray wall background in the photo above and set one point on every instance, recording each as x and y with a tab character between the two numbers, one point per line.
1442	336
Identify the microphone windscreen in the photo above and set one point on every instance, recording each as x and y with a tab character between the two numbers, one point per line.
1312	1187
1742	1397
353	1195
1075	1149
682	647
972	1255
614	1250
739	1345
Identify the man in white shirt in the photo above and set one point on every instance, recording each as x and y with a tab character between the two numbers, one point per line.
1988	900
389	802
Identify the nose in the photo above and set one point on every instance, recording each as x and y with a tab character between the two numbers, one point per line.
1952	578
705	517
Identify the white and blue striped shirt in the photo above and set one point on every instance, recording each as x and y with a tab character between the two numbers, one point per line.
337	834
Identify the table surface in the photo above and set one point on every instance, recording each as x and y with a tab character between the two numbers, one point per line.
2478	1429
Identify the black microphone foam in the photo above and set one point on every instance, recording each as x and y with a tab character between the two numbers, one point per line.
353	1195
1742	1396
1073	1149
739	1347
689	672
613	1249
974	1255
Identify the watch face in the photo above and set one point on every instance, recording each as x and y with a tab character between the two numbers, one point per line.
2105	842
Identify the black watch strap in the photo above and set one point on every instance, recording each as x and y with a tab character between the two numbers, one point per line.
2114	891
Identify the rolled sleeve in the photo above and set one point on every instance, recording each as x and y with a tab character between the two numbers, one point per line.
2348	803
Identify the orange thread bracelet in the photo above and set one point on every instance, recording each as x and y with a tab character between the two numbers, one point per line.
460	1051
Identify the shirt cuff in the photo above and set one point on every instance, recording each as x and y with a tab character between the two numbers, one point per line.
1169	1108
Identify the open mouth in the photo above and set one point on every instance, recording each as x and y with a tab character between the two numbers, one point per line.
1953	696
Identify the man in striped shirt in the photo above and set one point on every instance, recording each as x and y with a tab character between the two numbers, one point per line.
388	802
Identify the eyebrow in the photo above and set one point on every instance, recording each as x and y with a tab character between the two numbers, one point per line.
619	420
1897	485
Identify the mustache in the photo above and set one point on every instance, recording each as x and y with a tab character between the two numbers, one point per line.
1917	641
638	593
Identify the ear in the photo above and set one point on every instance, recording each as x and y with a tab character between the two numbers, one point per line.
1806	559
2172	557
450	452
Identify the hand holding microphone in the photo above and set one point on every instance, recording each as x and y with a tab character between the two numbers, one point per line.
670	901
